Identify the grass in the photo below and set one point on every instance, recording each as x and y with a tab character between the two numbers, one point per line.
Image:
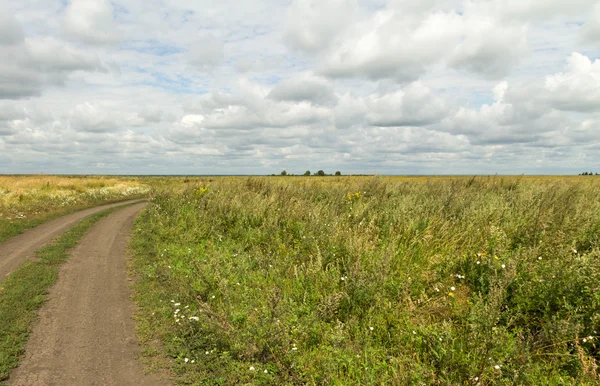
372	281
27	201
24	291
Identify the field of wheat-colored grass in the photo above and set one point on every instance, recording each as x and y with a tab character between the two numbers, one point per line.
26	201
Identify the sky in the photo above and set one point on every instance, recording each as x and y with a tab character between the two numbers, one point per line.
261	86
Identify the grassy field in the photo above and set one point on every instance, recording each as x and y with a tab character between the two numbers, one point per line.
26	201
372	281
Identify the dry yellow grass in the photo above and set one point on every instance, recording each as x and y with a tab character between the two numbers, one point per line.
26	201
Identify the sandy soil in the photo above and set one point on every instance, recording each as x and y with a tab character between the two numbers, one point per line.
85	334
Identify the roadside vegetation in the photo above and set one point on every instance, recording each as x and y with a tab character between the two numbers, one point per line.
27	201
24	291
364	281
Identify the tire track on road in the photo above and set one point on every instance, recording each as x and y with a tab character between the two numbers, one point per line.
18	249
85	334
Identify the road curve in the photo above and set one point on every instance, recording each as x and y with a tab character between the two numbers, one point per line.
18	249
85	334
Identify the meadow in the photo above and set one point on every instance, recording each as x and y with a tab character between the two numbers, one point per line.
371	280
26	201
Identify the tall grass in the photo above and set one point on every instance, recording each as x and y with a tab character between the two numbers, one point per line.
372	280
26	201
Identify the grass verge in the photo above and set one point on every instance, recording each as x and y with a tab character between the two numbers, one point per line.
24	291
372	281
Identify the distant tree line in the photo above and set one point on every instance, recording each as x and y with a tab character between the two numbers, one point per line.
587	174
320	173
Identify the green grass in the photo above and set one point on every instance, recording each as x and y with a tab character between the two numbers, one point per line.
24	291
372	281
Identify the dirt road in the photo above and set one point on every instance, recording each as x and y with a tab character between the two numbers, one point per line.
15	251
85	333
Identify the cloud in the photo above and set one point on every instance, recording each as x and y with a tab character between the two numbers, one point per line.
489	49
374	86
10	112
256	63
251	106
350	112
88	117
590	32
415	105
393	44
206	53
537	9
11	31
91	21
313	25
304	87
577	89
32	63
542	112
39	62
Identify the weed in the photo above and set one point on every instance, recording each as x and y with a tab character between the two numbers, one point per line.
372	280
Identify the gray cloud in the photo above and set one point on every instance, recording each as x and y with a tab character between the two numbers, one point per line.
590	32
490	50
396	45
415	105
304	87
313	25
88	117
91	21
398	86
206	52
11	31
39	62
